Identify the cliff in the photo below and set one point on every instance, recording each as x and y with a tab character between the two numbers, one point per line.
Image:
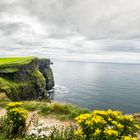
25	78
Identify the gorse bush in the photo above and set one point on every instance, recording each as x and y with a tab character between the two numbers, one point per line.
106	125
14	105
14	123
96	125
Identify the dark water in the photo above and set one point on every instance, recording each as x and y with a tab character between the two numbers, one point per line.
98	85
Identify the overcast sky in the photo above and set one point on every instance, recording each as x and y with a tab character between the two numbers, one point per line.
91	30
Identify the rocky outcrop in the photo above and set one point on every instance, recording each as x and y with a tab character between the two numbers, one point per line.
24	81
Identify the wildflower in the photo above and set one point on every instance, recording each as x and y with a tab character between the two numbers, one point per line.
128	118
128	138
111	132
15	104
120	126
78	132
114	122
97	132
108	124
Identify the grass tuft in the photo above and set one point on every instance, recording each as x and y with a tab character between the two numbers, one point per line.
62	111
4	100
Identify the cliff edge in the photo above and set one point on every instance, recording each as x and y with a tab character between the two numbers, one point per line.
25	78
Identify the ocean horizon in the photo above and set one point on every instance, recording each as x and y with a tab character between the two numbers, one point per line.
96	85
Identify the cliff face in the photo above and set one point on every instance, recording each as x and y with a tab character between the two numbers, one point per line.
27	80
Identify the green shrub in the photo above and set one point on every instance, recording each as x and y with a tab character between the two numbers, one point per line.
106	125
62	111
44	110
14	123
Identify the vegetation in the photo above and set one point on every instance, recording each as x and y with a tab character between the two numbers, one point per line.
98	125
21	78
9	82
3	100
39	80
13	124
62	111
9	70
48	108
67	133
8	86
106	125
15	60
53	109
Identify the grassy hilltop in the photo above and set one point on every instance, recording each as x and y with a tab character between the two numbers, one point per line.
15	60
23	78
11	64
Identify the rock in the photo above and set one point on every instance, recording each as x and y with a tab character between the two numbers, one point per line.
44	67
27	80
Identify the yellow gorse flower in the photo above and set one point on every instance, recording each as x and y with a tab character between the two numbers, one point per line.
111	132
97	132
98	119
15	104
82	118
128	138
120	126
17	111
16	117
128	118
108	124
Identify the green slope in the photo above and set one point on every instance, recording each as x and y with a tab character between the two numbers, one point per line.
15	60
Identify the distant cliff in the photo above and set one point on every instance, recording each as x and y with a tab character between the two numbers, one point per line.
25	78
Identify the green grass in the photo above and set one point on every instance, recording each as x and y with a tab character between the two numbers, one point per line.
12	85
8	86
4	100
46	108
8	70
33	105
15	60
54	109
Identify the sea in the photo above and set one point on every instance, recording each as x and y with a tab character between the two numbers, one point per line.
95	85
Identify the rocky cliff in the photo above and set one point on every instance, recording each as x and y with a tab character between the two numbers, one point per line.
25	79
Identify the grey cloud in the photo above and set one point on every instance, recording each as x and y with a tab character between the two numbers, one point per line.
94	19
92	29
123	48
10	28
29	43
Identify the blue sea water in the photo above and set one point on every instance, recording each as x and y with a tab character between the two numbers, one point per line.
98	85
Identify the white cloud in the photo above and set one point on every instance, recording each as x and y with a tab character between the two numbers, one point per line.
91	30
